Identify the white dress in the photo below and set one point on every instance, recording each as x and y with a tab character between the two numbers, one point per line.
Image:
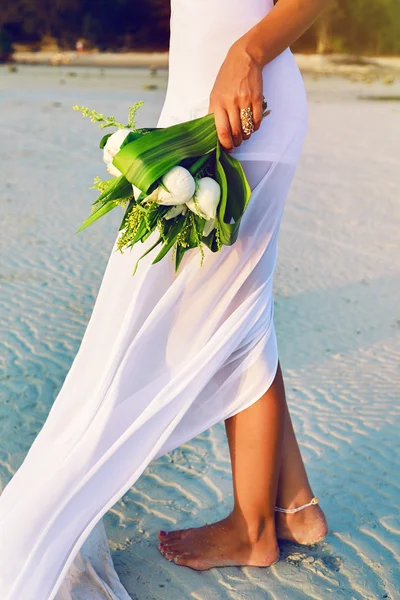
164	356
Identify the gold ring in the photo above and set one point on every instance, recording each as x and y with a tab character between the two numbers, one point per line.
246	117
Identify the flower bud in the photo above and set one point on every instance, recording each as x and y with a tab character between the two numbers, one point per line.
206	198
174	211
112	147
209	226
180	187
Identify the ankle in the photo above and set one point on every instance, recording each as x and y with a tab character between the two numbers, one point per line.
253	529
301	498
307	526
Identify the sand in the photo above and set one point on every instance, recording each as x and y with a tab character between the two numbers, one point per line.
337	287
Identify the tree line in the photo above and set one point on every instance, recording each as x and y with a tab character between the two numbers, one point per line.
352	26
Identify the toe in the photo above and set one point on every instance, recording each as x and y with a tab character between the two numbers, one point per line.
184	559
171	546
177	534
181	559
170	555
187	559
163	535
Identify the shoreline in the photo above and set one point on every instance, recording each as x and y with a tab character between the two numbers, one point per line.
317	64
156	60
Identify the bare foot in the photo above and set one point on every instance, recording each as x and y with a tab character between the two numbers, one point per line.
307	527
222	544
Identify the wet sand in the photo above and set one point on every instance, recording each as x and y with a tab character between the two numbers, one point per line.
337	287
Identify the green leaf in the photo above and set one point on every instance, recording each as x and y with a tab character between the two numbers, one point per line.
119	188
154	213
146	159
198	227
131	137
239	191
104	139
141	232
171	236
147	235
198	164
231	178
100	212
210	241
180	252
144	254
226	229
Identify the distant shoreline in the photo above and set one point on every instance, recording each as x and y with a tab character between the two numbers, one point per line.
93	59
329	64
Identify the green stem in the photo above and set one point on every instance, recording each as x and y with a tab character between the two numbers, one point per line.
196	166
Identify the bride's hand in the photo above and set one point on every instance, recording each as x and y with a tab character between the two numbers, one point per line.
238	85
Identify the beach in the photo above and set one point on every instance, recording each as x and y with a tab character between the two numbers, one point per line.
336	288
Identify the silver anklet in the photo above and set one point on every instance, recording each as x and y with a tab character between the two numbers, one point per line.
295	510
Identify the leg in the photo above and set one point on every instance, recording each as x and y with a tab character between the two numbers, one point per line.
308	526
247	536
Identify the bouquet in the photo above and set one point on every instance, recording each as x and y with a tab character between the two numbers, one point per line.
176	181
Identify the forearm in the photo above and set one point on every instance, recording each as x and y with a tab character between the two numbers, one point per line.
282	26
239	83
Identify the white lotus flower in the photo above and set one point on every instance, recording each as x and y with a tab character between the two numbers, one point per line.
206	199
176	210
180	187
153	197
112	147
209	226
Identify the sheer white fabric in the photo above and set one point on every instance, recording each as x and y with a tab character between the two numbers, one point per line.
164	356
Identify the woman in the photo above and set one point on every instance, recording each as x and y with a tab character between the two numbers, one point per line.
166	356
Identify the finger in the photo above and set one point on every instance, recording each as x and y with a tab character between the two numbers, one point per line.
236	126
223	128
257	108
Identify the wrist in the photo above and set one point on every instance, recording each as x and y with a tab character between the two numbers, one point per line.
248	46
